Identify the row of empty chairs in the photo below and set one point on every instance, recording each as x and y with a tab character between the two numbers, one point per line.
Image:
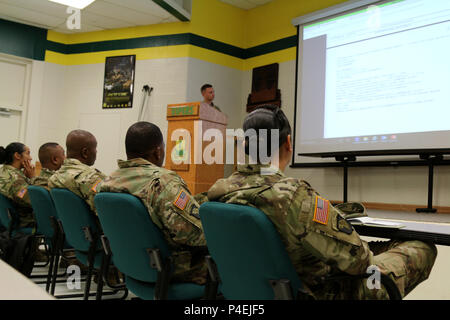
247	257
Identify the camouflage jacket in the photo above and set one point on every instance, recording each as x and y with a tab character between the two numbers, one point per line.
318	239
79	178
42	179
13	185
169	203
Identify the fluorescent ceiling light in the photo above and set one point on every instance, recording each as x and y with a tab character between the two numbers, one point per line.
79	4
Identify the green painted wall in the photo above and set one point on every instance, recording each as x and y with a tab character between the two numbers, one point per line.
22	40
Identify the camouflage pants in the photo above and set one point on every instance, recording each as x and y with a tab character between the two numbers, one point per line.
188	268
26	219
406	263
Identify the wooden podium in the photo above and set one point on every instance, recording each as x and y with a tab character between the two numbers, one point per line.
184	155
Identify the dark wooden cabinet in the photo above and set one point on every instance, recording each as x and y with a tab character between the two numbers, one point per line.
264	87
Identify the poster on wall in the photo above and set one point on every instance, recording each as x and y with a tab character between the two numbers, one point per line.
119	82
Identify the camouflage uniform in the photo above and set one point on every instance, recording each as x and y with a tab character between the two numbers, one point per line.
79	178
160	190
201	197
319	241
13	185
42	179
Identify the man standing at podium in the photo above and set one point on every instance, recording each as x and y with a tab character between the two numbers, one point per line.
208	94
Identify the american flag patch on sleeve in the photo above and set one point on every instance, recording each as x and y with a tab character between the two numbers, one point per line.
21	193
321	210
181	200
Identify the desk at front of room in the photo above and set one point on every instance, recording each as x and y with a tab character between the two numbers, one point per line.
15	286
437	286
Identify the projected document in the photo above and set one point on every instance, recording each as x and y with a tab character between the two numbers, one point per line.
376	78
377	86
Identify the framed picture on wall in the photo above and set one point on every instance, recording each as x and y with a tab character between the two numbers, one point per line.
118	85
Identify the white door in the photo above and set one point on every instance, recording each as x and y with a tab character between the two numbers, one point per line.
14	86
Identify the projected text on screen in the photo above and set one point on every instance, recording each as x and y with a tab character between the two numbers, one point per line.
377	78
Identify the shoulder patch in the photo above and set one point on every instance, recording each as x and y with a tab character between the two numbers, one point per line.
194	212
181	200
343	225
22	193
321	210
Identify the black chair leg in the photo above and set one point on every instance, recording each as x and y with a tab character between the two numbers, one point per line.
50	269
103	272
89	275
212	285
93	239
54	273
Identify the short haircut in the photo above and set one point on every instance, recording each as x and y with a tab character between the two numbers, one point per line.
267	117
205	86
44	152
77	139
142	138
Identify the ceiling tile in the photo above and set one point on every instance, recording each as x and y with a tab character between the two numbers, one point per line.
41	6
29	16
102	21
100	15
84	28
132	17
146	7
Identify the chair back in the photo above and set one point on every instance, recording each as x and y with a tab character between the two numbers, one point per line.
130	231
75	215
5	205
247	249
43	208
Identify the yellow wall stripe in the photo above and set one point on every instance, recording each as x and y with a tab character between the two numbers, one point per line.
274	57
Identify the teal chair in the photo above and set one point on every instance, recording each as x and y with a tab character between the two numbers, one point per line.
139	250
44	213
82	232
9	218
47	225
6	207
250	259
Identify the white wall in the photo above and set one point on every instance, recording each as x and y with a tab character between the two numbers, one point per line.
72	98
227	83
53	115
82	104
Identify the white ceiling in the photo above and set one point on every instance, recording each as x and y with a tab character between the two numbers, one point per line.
100	15
246	4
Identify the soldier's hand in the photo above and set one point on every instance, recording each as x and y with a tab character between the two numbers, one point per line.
28	169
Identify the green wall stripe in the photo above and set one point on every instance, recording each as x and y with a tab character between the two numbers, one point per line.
31	42
22	40
217	46
148	42
269	47
56	47
173	40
